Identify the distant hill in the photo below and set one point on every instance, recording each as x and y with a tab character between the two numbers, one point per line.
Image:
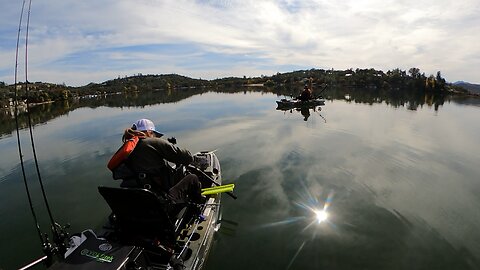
475	88
366	80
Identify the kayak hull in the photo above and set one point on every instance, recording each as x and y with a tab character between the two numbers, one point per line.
296	103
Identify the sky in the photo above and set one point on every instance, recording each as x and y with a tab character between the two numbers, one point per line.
78	42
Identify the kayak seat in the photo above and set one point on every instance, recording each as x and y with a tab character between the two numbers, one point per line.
139	215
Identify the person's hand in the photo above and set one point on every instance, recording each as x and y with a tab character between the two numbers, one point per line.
172	140
200	162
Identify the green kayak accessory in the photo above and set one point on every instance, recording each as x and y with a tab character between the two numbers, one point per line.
218	189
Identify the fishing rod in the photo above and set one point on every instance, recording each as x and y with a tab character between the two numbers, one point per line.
22	165
58	234
32	264
321	116
324	88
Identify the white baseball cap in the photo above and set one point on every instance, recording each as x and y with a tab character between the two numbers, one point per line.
146	124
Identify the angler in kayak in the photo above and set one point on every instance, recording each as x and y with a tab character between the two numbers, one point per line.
305	99
149	228
306	94
144	164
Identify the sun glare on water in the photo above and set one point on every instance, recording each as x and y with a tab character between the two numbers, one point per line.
314	214
321	215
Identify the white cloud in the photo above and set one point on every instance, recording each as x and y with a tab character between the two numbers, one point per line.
431	35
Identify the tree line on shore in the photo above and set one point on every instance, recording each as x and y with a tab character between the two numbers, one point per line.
396	80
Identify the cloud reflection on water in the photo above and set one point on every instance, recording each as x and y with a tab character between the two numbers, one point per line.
373	167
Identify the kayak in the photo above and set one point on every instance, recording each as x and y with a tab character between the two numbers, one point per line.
296	103
147	231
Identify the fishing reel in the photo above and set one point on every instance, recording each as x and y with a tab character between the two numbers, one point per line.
60	242
61	236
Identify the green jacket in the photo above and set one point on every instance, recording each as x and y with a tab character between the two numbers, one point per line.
150	156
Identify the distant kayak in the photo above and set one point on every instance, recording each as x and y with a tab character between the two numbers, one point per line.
296	103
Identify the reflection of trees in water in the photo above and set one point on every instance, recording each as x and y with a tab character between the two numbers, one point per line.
42	113
38	114
411	99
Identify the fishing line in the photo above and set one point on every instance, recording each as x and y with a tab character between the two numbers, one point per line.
30	125
18	130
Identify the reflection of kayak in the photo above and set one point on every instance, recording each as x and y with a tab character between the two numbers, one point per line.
147	231
296	103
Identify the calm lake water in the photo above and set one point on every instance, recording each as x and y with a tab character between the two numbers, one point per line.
401	187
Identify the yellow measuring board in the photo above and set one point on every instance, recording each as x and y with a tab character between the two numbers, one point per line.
218	189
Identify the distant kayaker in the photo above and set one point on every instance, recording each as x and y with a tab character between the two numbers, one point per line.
148	162
306	94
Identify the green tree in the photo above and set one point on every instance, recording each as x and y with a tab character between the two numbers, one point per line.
430	82
440	82
269	83
414	72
